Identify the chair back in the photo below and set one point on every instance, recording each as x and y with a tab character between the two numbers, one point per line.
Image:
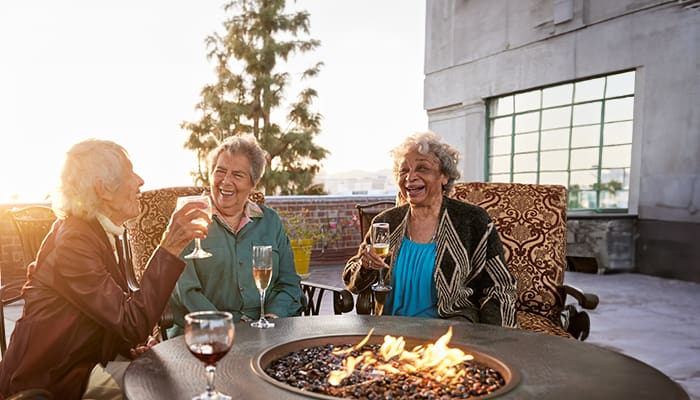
531	222
366	212
33	224
146	230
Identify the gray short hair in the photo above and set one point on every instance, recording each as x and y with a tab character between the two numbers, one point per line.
246	145
429	142
87	163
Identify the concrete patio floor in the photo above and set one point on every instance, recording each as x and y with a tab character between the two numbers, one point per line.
652	319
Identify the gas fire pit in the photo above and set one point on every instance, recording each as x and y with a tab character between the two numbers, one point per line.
353	366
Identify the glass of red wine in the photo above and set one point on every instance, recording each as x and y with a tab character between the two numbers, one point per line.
209	336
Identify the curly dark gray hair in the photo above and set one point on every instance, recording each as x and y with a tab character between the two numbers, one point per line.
429	142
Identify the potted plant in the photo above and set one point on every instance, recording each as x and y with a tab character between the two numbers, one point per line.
302	231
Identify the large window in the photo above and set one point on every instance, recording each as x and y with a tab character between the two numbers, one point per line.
577	134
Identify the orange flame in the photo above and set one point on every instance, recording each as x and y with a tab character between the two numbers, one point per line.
436	360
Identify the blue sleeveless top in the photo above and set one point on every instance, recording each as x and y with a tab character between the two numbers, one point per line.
414	293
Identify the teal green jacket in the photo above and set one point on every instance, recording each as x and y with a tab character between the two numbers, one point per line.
224	281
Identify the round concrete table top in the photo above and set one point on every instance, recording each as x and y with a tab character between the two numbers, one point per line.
549	367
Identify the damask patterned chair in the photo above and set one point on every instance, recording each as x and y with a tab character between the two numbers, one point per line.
531	221
146	230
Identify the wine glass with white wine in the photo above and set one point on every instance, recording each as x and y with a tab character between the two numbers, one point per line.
198	251
262	275
209	336
380	244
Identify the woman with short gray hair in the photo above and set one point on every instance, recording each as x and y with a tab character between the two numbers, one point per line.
445	257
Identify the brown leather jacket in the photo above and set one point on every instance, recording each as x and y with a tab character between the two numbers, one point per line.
79	310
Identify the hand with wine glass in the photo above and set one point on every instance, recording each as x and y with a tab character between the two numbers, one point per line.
262	274
379	237
198	251
209	336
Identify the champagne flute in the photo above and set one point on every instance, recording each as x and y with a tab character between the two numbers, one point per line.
262	274
380	244
209	336
198	251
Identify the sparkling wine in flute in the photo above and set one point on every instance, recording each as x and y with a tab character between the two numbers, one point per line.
198	251
381	249
262	274
262	277
379	236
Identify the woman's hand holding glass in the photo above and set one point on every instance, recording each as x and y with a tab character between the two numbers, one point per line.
187	223
379	250
205	202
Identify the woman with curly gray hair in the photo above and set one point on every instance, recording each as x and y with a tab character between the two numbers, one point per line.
445	257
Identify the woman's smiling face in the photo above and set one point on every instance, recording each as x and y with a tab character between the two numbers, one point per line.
420	178
231	183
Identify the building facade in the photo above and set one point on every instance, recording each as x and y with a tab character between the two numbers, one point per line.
599	95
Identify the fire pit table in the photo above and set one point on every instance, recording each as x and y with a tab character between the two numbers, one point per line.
536	366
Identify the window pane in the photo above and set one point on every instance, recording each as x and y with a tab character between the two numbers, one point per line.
588	113
556	139
585	136
620	84
557	95
554	178
583	179
503	106
616	199
582	199
527	122
617	133
618	178
591	89
499	164
502	126
584	158
617	156
619	109
525	178
554	160
527	101
526	142
556	117
500	145
525	162
499	178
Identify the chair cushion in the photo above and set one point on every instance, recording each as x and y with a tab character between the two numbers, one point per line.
531	222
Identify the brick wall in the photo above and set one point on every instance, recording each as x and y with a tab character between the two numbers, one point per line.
336	214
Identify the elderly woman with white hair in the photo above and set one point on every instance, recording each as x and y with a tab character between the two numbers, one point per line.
79	310
446	259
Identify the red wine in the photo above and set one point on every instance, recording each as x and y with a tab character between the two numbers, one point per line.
209	353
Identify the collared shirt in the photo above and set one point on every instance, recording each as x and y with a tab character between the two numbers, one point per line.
112	230
251	210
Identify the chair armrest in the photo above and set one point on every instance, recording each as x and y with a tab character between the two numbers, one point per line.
342	298
589	301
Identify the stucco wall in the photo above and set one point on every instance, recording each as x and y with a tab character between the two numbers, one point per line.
480	49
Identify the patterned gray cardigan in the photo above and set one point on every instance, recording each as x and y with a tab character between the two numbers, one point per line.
471	276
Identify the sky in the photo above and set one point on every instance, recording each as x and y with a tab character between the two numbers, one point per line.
131	71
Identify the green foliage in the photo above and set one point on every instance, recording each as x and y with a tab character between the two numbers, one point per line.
249	96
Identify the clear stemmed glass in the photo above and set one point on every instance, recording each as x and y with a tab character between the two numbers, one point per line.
262	274
209	336
198	251
380	244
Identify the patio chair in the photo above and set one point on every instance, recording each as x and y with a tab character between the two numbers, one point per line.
33	224
146	230
531	222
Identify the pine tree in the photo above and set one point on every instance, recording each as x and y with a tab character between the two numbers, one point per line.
249	95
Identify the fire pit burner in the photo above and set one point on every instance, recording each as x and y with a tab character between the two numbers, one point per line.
303	366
